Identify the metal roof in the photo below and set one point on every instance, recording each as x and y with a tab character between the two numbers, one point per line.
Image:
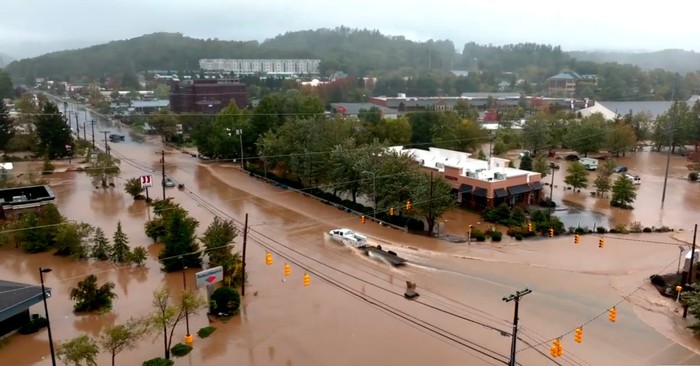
18	297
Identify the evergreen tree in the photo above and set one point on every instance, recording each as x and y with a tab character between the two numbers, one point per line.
53	132
623	193
179	241
577	176
526	162
6	128
101	247
218	243
138	256
121	253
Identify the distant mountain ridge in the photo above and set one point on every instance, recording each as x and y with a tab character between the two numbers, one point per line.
5	59
675	60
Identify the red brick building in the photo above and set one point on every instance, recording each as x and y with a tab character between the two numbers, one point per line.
206	95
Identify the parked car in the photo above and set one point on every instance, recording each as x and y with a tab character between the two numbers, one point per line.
620	169
571	157
635	179
168	182
525	153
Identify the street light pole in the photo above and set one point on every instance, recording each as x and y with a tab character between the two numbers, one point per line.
92	122
516	297
551	188
46	310
188	337
680	255
374	189
239	132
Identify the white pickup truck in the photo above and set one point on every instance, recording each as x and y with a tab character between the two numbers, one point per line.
349	237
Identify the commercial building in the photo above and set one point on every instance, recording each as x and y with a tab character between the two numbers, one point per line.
15	302
353	109
479	183
568	84
206	95
19	199
262	66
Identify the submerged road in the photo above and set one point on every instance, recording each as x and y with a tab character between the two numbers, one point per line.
359	313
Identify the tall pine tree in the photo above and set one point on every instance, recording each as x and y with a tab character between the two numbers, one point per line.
179	241
101	247
53	132
121	253
6	128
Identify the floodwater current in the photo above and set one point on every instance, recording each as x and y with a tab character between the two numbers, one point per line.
354	311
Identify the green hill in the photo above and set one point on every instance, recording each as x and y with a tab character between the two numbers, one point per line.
672	60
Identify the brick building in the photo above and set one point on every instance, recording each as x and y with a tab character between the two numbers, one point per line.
479	183
206	95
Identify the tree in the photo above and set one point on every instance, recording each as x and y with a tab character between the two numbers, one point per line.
431	197
602	183
7	130
102	169
449	131
72	240
536	135
692	300
101	247
138	256
587	136
393	131
180	241
623	193
121	253
53	132
120	337
577	176
134	188
164	123
526	162
89	297
162	91
621	139
541	165
78	351
218	243
167	315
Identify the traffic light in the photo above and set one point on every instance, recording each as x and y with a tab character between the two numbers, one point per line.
363	219
601	242
578	335
391	211
612	316
529	227
287	270
551	233
577	239
268	258
556	350
408	205
307	280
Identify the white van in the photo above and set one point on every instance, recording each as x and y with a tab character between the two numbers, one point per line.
635	179
589	163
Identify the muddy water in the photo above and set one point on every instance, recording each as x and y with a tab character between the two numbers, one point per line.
284	323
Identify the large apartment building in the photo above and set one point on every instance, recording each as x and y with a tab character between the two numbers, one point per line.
262	66
479	183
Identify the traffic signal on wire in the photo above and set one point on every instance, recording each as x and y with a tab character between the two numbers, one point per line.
529	227
363	219
601	242
307	280
578	335
287	269
612	314
556	349
551	233
391	211
268	258
577	239
408	205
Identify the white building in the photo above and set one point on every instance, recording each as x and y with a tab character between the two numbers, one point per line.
262	66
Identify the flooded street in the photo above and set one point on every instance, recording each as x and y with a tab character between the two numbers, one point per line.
354	310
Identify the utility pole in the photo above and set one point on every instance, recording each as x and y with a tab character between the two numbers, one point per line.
92	122
691	273
670	146
239	132
551	188
245	242
188	337
162	167
106	146
430	205
77	124
515	297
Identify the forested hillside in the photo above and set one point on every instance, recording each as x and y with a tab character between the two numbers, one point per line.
672	60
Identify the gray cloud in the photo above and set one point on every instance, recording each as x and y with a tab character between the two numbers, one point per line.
31	27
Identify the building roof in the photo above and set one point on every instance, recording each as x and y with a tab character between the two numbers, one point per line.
27	196
460	73
500	95
655	108
568	75
354	108
598	108
18	297
160	103
486	170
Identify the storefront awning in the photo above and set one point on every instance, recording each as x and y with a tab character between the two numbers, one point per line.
465	188
536	186
500	192
519	189
479	192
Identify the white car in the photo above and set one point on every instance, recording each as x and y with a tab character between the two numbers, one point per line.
348	237
635	179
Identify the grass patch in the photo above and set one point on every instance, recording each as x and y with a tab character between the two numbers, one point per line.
205	332
180	350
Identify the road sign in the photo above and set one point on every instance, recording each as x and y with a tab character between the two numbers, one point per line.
146	181
209	276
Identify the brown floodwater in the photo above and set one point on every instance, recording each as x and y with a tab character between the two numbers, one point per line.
334	321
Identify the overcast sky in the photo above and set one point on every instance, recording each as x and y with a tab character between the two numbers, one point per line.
32	27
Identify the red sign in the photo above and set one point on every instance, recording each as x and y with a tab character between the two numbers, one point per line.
211	279
146	181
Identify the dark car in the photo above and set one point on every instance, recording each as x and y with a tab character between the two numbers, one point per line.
116	137
620	169
571	157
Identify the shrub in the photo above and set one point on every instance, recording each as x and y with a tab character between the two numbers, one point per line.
225	300
480	236
621	228
693	176
664	229
581	230
180	350
647	230
613	230
600	230
545	202
158	361
496	235
205	332
518	237
635	227
33	326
